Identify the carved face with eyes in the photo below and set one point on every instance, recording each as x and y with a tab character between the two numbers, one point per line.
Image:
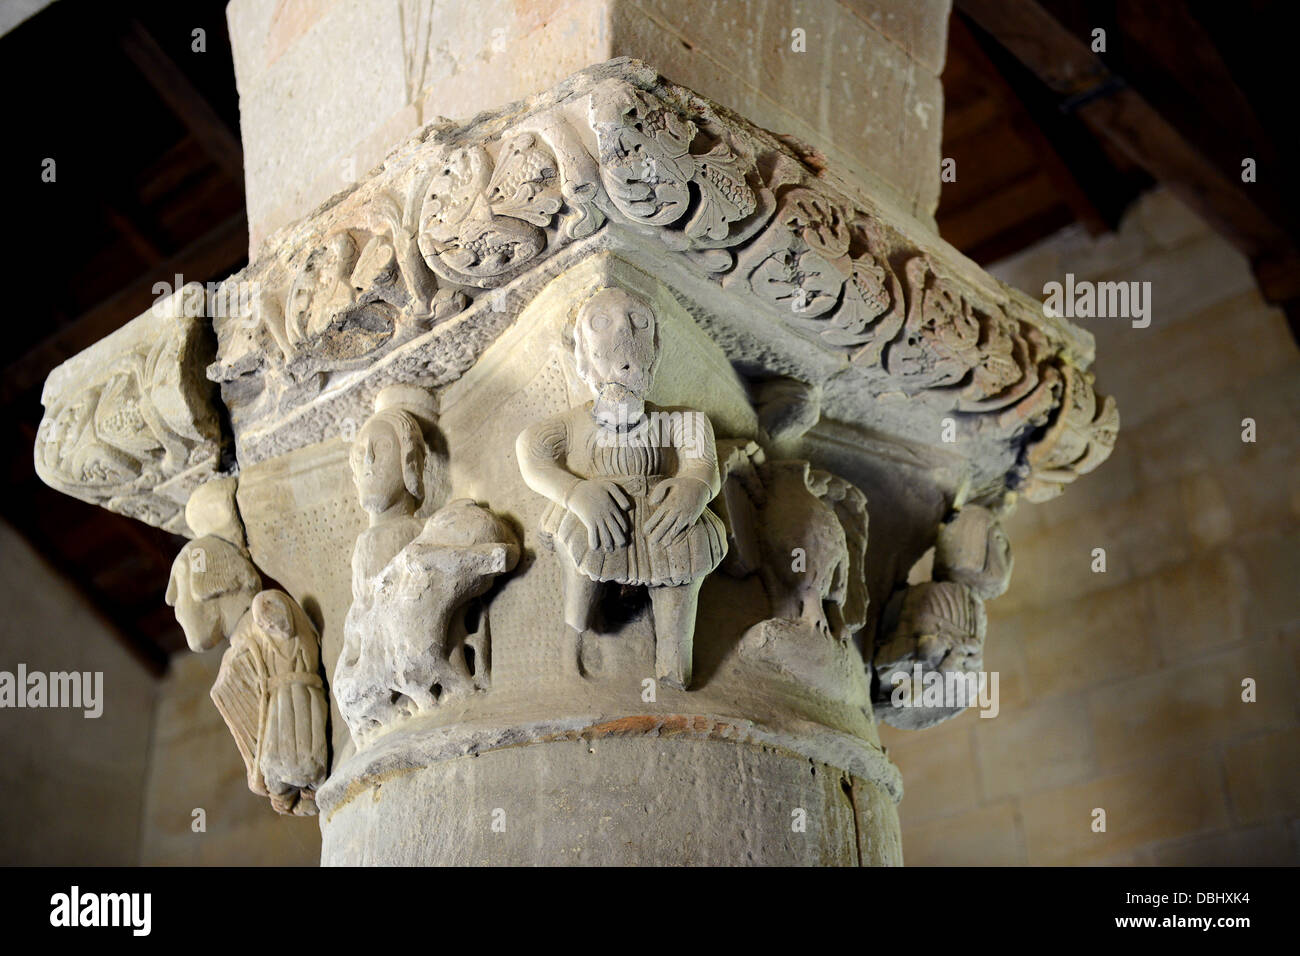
377	466
616	342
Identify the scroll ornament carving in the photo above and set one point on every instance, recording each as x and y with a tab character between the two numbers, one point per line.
479	223
1080	438
629	484
475	213
940	625
830	279
269	689
405	649
330	307
129	424
974	356
647	168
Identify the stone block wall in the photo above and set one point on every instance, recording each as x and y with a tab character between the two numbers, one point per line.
195	765
1122	690
70	786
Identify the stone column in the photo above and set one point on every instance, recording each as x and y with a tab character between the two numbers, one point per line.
592	442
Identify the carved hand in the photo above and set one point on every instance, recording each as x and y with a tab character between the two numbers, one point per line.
680	502
602	507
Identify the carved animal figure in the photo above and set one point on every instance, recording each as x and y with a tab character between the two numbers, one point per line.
805	531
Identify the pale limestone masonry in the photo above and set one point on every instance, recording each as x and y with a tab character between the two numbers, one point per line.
1122	690
865	93
71	788
594	435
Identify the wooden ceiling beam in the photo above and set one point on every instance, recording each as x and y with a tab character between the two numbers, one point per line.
983	220
184	100
1117	111
1072	193
215	254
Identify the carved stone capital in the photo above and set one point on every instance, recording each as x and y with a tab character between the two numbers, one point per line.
596	438
131	423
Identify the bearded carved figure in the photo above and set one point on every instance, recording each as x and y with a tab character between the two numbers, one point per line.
629	483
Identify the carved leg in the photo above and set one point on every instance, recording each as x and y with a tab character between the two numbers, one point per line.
580	593
674	614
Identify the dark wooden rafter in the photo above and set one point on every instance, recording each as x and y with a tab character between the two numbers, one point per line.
1251	219
165	198
217	252
184	100
1049	159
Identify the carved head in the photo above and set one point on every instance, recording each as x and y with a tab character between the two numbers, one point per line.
388	455
973	550
616	344
273	614
212	584
388	460
211	510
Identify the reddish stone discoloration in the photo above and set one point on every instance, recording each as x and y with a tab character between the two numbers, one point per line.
659	725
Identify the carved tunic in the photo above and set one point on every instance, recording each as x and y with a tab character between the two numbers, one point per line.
665	444
273	700
293	753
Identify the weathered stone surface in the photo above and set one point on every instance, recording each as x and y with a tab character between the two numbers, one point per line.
402	655
629	482
271	695
410	276
130	424
860	86
268	690
601	432
578	801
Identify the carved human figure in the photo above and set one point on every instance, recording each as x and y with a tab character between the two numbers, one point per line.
388	459
401	654
972	549
270	693
940	625
212	580
629	482
269	689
